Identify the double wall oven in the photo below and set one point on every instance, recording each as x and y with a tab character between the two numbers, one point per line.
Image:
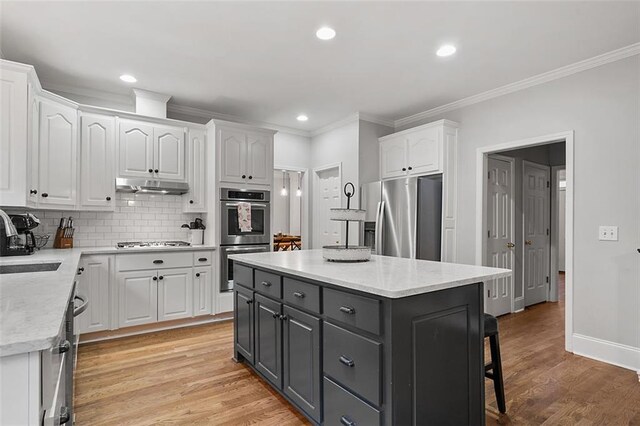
234	240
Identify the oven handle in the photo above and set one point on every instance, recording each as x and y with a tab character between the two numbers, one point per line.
252	205
85	304
241	249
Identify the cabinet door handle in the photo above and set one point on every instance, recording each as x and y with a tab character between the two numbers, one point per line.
299	294
284	317
150	170
202	259
266	283
250	177
64	416
244	176
410	168
344	420
161	277
108	198
249	301
346	361
404	169
347	310
45	195
190	201
64	347
276	315
155	278
158	262
155	171
33	191
197	274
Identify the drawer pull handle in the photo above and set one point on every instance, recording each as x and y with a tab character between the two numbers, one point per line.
266	283
158	262
202	259
284	317
197	274
249	301
347	310
276	315
346	422
346	361
299	294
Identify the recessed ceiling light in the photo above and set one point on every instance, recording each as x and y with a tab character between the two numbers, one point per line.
326	33
302	117
446	50
128	78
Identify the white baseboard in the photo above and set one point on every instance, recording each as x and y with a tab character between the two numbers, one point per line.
602	350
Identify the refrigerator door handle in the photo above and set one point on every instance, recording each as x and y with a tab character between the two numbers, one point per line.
379	227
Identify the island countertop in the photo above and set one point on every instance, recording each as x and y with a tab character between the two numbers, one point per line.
386	276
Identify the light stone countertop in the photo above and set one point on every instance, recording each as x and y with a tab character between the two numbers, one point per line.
32	305
386	276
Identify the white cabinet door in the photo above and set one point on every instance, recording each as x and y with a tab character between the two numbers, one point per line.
423	151
393	158
138	298
97	150
175	293
233	153
94	284
168	153
13	138
195	200
202	290
259	158
135	144
58	154
32	149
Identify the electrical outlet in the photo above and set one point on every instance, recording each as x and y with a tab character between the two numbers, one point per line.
608	233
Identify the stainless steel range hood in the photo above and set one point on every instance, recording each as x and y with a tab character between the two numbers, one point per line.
151	186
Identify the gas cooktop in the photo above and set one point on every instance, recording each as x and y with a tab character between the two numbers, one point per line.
137	244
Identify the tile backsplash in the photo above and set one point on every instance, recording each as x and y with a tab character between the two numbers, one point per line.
137	217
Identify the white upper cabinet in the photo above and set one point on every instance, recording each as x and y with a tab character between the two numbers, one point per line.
32	148
195	200
393	158
423	151
135	144
13	137
245	156
58	149
168	152
97	150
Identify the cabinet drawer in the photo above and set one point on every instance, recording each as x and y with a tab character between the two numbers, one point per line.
160	260
343	408
301	294
202	258
268	283
242	275
353	361
358	311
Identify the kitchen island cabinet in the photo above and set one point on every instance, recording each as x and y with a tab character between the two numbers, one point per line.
388	342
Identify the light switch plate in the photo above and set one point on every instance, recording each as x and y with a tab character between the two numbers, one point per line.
608	233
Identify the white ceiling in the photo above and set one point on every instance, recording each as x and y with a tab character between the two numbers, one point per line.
261	60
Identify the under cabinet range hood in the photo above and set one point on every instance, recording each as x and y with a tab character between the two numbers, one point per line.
151	186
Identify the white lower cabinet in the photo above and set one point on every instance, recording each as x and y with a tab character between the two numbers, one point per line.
138	298
94	277
175	294
202	290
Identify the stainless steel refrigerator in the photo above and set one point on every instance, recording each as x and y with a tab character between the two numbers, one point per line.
404	217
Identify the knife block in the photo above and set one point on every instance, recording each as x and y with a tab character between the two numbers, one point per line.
62	242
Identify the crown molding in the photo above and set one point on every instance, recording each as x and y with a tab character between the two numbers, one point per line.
587	64
154	96
377	120
127	100
350	119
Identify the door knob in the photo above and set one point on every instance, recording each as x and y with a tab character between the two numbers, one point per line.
528	242
510	245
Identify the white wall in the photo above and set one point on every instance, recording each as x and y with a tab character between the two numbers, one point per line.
602	106
369	150
291	150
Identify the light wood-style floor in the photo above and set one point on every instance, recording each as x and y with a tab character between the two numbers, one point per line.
186	376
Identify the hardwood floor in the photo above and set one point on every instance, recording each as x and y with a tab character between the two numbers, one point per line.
186	376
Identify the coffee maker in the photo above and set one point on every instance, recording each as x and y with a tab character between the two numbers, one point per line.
16	236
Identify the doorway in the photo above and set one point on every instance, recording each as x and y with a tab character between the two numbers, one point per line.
327	190
289	219
535	220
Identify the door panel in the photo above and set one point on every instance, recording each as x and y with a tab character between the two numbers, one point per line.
195	200
233	165
269	339
97	188
500	242
136	149
259	163
423	151
537	215
243	325
94	284
393	158
202	291
328	231
169	153
175	294
138	298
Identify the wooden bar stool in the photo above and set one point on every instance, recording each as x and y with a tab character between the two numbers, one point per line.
493	370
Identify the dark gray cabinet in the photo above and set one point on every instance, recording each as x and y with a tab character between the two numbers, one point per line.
302	373
268	323
243	325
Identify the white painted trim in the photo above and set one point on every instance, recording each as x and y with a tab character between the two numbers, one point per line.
306	197
122	99
154	96
342	122
624	356
587	64
555	240
316	170
481	212
438	123
377	120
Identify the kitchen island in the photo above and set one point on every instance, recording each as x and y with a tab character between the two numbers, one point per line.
391	341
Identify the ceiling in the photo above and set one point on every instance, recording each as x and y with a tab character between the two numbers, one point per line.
261	60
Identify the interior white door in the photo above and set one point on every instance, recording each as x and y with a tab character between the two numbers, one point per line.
138	296
233	148
97	143
536	212
58	154
423	151
500	238
393	158
135	142
259	163
328	232
94	284
175	293
168	153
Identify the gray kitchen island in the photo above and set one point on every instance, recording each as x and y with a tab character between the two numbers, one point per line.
391	341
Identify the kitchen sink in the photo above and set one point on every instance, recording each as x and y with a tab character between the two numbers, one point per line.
29	267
